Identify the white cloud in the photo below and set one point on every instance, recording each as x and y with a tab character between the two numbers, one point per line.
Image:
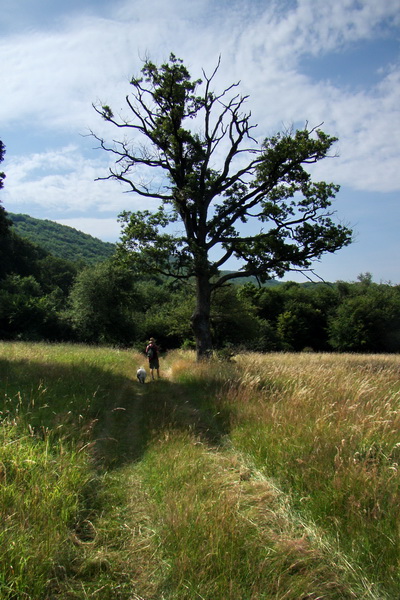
63	181
108	230
368	128
53	77
320	27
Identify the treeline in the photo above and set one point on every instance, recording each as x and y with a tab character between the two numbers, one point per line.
351	317
43	297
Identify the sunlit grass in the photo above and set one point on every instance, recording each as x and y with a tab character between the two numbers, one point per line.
40	503
220	529
53	397
326	427
271	476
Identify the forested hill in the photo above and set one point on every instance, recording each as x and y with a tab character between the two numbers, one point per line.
62	241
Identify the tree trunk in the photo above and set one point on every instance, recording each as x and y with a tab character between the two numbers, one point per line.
201	318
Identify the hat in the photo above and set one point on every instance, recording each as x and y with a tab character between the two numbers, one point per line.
152	340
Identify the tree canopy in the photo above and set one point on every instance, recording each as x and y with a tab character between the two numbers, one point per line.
222	194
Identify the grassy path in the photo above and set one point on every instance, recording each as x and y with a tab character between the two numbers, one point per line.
116	490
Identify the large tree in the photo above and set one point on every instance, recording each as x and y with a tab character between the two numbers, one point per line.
194	150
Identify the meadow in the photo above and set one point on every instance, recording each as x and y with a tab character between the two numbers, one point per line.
271	476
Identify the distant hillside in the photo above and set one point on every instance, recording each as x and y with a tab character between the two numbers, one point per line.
61	240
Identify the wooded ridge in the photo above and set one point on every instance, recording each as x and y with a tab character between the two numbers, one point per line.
61	240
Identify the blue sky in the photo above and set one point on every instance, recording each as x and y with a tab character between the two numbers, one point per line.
330	61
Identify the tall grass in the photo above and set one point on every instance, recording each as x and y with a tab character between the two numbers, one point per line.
53	398
326	427
273	477
223	530
40	503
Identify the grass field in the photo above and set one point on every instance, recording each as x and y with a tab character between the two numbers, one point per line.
271	477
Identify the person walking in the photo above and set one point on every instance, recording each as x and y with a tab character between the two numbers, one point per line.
152	355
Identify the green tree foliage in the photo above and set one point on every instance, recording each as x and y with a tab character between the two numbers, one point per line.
20	309
110	304
193	137
34	288
56	273
296	316
101	305
167	317
26	258
303	321
23	256
233	320
27	313
367	320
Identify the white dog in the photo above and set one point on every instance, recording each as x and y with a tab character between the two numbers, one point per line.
141	374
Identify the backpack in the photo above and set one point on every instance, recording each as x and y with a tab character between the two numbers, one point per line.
150	352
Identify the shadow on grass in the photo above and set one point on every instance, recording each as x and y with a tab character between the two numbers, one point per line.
116	415
126	428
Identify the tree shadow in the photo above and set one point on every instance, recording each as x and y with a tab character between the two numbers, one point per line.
124	431
114	415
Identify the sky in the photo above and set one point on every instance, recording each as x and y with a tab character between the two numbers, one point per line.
335	62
